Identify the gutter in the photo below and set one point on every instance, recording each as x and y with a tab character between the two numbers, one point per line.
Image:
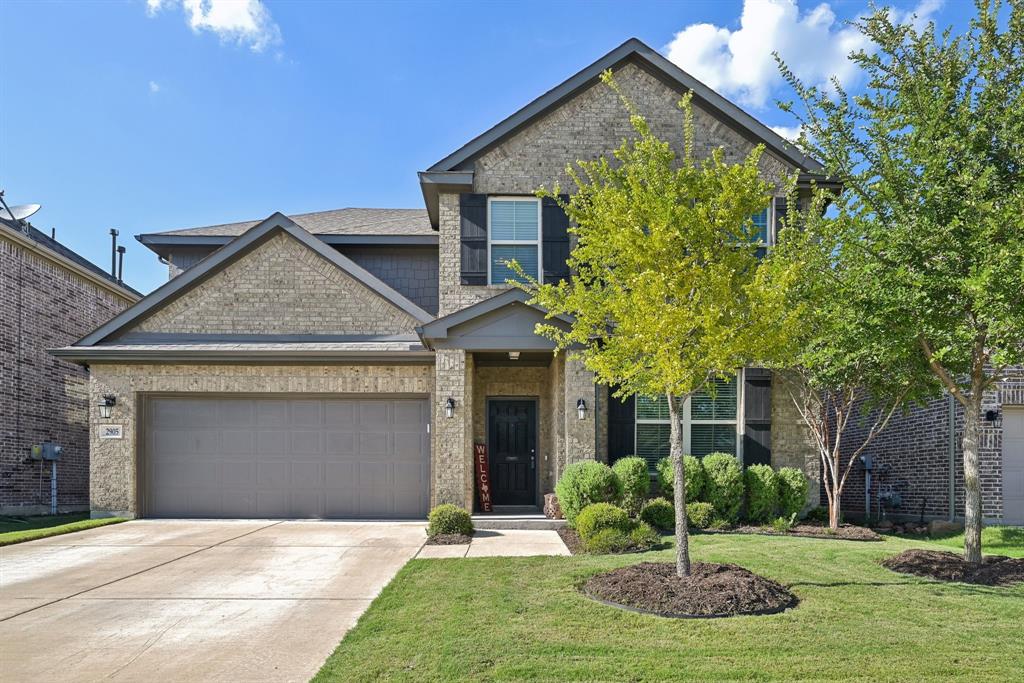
94	355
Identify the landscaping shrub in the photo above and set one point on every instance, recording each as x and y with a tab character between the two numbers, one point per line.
723	486
762	493
643	536
600	516
700	515
693	470
818	514
608	541
782	524
584	483
793	492
634	483
659	513
449	519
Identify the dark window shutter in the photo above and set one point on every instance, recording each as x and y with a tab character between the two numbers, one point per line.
473	237
780	214
757	417
621	426
555	240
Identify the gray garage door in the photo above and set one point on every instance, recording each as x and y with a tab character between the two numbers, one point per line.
1013	465
274	457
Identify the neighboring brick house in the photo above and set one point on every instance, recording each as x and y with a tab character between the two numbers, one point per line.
919	457
346	363
49	296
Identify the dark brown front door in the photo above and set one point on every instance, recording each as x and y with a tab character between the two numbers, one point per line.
512	445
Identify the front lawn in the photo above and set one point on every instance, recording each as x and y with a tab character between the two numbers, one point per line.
21	529
523	619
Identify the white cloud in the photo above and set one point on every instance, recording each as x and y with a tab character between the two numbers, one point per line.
790	133
154	87
739	63
245	22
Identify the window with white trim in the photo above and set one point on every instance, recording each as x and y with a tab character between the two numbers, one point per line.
762	223
710	423
513	235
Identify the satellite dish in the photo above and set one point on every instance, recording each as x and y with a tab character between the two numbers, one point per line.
19	212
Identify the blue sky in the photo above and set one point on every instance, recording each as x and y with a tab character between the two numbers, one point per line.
186	113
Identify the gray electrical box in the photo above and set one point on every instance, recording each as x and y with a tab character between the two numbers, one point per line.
46	451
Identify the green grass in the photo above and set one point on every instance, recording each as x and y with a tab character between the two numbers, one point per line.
995	540
524	619
21	529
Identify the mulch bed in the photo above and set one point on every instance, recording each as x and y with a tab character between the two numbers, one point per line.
572	540
449	539
711	590
845	532
994	570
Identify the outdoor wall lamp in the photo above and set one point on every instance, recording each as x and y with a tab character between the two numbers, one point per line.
107	405
581	409
991	415
449	407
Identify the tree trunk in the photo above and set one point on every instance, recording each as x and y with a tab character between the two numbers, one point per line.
679	488
972	485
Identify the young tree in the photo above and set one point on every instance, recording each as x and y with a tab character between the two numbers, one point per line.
838	364
932	160
665	294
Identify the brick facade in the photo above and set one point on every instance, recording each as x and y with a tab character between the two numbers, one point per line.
45	304
916	448
792	444
280	287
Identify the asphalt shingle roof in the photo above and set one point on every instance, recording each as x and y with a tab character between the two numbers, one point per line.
348	221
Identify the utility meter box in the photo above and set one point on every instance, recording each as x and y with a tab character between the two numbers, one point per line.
51	451
36	451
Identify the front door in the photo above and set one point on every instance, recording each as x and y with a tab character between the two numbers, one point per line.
512	445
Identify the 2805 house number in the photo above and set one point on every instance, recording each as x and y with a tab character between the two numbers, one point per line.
112	431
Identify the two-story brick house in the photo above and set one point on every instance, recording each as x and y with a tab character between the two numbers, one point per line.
49	296
345	363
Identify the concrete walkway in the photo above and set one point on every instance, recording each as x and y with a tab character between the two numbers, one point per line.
192	600
503	543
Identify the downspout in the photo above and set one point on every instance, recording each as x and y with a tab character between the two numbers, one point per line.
951	447
597	412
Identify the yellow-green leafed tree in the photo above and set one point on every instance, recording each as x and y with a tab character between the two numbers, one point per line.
666	293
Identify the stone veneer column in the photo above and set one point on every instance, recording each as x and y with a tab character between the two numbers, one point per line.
792	443
579	434
453	437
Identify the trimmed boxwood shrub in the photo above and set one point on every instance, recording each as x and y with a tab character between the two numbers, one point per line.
700	515
693	470
723	487
793	488
599	516
584	483
644	536
449	519
608	541
634	483
762	493
659	513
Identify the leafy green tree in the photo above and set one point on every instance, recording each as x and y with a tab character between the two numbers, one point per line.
839	364
665	294
931	157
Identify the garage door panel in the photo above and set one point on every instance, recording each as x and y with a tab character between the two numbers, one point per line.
1013	465
305	441
274	457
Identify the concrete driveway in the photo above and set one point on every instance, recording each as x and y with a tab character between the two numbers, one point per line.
202	600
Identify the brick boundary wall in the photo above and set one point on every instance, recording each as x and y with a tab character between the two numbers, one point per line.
44	305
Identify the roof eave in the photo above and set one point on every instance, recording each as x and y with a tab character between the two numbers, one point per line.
433	183
97	354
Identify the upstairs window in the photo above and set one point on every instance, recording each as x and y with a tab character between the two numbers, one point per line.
514	235
762	224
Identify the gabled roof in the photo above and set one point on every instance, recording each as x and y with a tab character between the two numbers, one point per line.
237	248
456	168
348	221
639	52
504	322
